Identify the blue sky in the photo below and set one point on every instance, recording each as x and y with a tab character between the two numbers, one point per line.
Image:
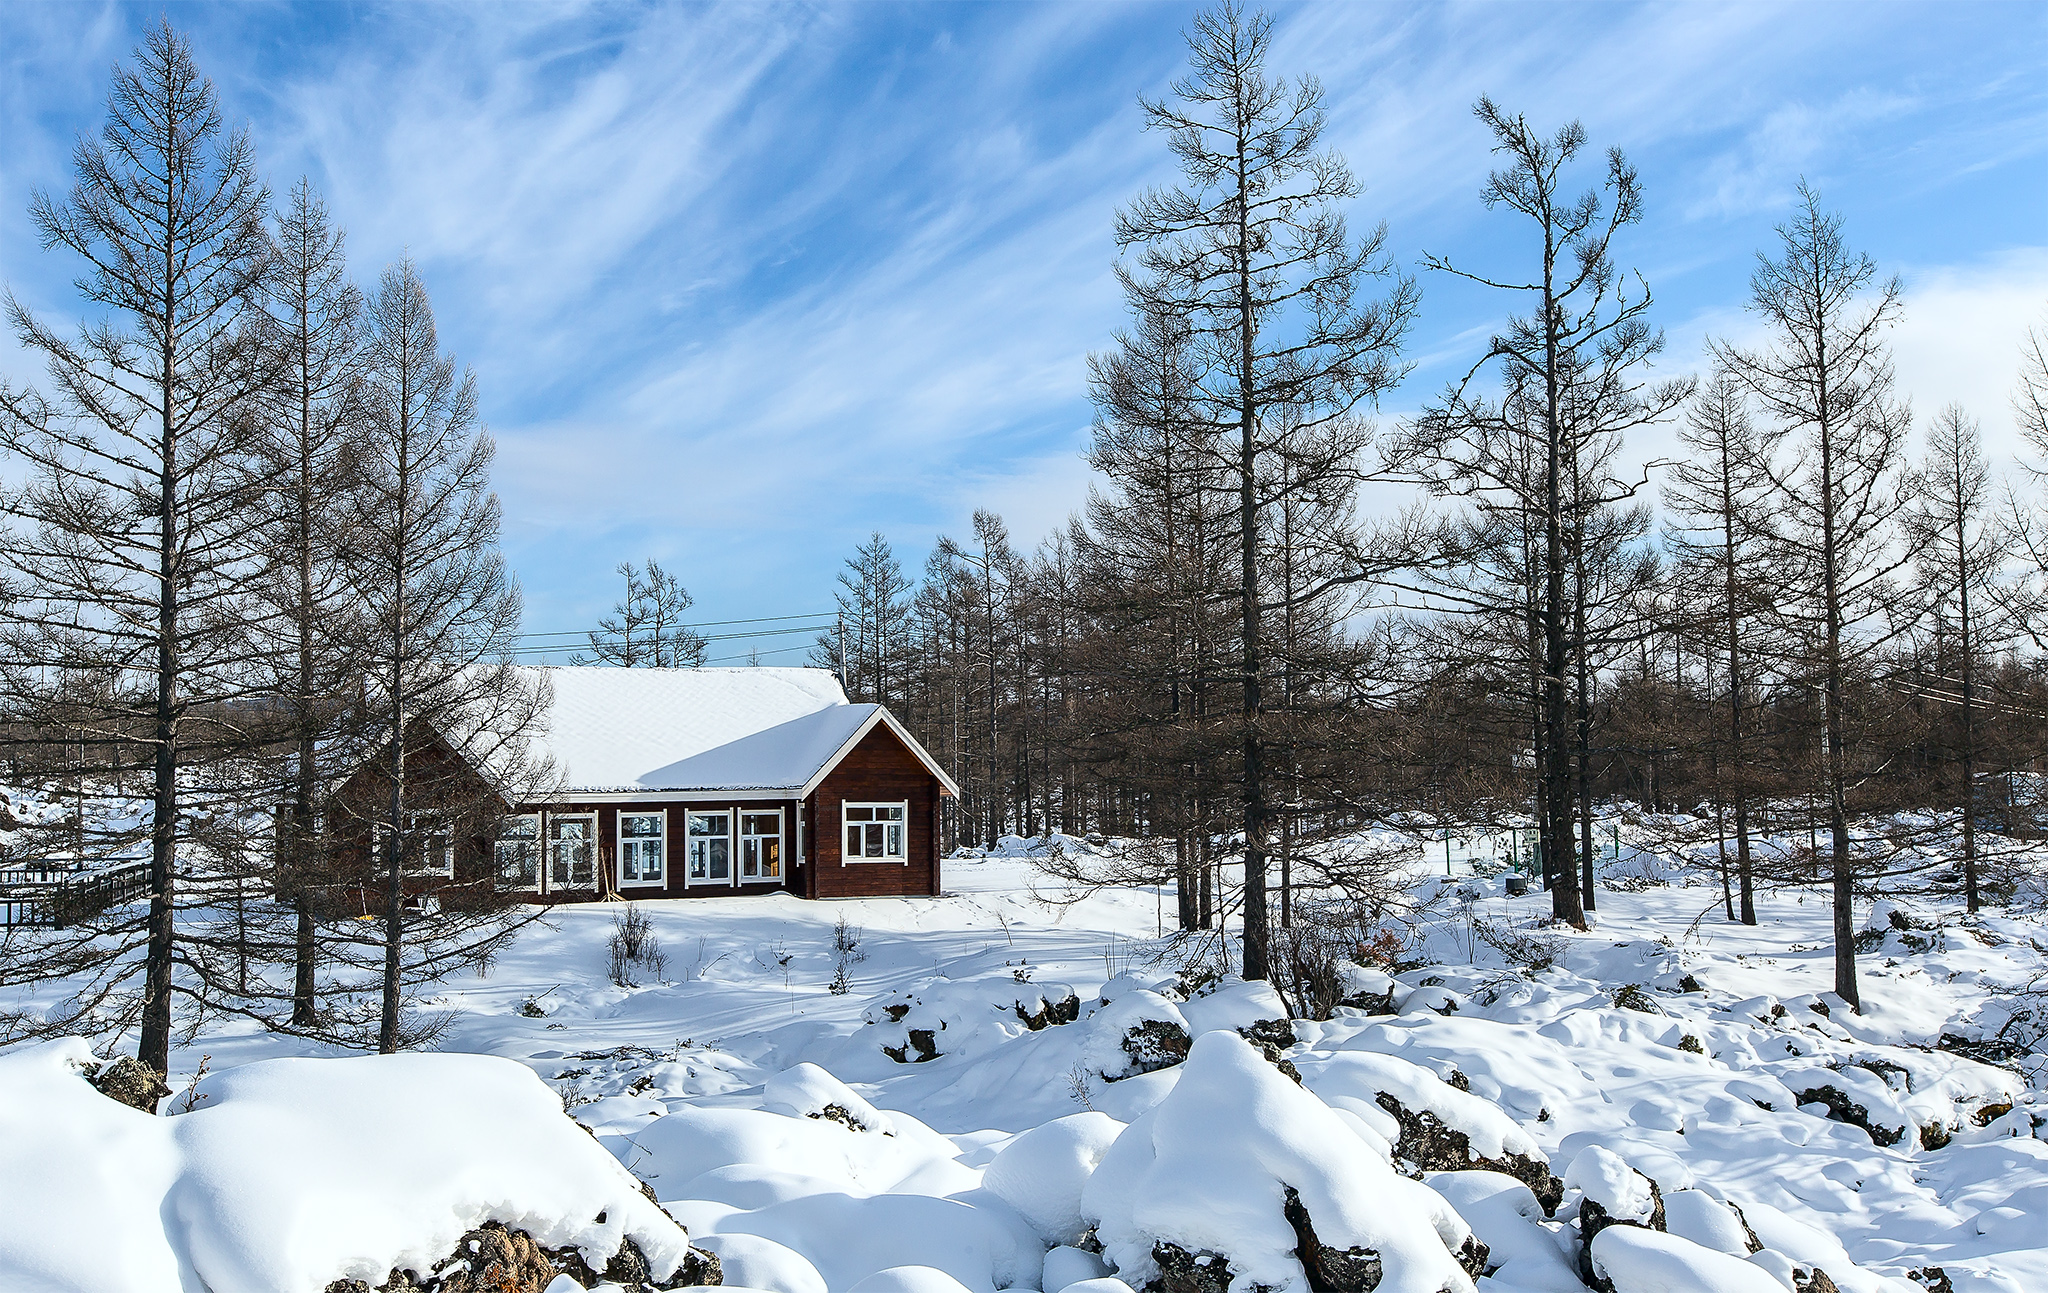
741	283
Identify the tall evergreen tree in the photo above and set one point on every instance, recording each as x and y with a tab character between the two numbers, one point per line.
646	629
871	642
1959	547
1572	382
1715	496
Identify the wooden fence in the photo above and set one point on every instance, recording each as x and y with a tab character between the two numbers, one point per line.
32	896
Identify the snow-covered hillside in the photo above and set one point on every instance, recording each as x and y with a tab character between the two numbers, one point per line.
1013	1094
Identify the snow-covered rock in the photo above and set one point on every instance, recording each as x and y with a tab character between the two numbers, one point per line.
1239	1169
1633	1260
1134	1030
1705	1220
1435	1126
1066	1267
1522	1253
1043	1172
751	1261
808	1091
289	1174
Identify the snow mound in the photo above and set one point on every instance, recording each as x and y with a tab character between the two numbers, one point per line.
1644	1261
1237	1169
909	1279
1623	1194
1709	1222
966	1017
749	1261
1372	1079
1042	1172
808	1091
755	1156
289	1174
1134	1030
1522	1253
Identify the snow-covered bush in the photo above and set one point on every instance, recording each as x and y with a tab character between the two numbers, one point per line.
633	947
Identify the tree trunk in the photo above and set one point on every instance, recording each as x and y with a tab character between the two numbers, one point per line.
154	1048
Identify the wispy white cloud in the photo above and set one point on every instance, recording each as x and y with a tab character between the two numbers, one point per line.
745	282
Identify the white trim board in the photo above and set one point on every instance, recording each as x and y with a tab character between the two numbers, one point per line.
881	715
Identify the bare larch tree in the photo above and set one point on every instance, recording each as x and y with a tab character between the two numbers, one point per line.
1254	252
1823	380
130	550
442	609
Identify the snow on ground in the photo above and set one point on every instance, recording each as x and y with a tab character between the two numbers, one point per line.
1006	1098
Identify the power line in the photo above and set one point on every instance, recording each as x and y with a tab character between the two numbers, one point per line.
553	648
700	624
777	651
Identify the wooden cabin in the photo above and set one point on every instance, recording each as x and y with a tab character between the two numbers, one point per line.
691	783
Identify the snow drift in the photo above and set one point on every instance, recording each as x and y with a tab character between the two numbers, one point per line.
288	1174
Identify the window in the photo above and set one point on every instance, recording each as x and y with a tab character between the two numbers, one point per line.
432	850
874	832
761	846
572	852
640	848
710	849
518	852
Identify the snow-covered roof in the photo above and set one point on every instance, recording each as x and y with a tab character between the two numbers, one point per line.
613	731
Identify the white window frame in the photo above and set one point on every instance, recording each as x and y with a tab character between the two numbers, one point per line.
660	842
899	859
781	847
534	842
548	854
690	839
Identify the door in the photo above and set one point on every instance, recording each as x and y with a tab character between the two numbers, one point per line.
708	842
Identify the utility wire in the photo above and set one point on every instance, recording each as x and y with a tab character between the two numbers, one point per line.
700	624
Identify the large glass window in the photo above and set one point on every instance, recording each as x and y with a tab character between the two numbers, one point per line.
640	848
518	852
572	852
875	832
710	849
761	846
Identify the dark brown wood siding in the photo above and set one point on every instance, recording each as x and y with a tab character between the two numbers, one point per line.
438	781
881	769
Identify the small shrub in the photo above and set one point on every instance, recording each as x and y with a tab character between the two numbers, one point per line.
846	941
633	946
1531	950
1632	997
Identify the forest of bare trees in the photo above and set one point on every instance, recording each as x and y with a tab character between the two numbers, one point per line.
1797	624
